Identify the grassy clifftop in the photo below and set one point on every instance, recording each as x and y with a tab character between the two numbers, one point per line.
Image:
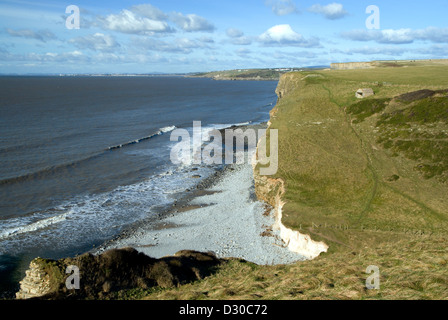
358	170
367	177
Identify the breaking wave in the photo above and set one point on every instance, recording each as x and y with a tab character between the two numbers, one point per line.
158	133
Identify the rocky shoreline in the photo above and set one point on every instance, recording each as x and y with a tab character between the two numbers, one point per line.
182	203
222	215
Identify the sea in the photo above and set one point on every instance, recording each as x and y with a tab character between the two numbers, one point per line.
83	158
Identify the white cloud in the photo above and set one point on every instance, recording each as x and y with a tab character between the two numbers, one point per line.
178	45
433	34
284	35
377	51
96	42
241	41
399	36
133	23
238	37
41	35
77	57
362	35
191	22
282	7
234	33
149	11
146	19
390	36
68	57
440	51
332	11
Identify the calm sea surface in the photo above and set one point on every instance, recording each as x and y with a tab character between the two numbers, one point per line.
82	158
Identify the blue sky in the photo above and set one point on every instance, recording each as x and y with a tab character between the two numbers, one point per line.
138	36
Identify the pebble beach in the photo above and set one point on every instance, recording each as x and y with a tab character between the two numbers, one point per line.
225	218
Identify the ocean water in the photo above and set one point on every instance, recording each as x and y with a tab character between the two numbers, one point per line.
83	158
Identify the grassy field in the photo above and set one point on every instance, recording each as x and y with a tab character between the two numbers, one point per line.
367	177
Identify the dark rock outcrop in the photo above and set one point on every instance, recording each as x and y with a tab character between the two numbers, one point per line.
115	270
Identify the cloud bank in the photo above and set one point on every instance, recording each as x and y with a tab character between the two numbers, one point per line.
399	36
282	7
41	35
332	11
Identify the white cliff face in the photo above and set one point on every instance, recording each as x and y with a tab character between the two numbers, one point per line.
294	240
35	284
297	242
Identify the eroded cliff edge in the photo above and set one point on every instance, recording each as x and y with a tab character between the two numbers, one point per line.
271	190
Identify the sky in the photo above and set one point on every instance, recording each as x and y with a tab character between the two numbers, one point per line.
180	36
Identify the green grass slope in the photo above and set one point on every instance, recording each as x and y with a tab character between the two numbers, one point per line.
368	177
355	169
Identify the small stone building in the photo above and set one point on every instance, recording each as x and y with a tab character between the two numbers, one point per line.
364	93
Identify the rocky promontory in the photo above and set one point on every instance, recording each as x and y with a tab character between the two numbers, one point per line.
102	276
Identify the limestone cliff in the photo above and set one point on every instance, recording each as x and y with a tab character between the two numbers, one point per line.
352	65
271	191
35	284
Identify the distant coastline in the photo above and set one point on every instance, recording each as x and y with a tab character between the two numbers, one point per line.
272	74
261	74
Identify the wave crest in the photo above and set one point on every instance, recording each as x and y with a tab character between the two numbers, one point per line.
160	132
35	226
